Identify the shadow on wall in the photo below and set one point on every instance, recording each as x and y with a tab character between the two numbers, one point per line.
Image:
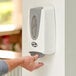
48	62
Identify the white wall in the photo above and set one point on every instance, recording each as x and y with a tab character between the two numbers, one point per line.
54	65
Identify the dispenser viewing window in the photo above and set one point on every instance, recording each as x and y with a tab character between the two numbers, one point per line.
41	31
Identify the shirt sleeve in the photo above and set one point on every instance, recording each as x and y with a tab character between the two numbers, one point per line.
3	67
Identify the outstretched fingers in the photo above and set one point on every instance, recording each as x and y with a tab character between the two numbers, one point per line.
38	65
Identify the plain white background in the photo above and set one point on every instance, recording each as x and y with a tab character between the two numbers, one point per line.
54	65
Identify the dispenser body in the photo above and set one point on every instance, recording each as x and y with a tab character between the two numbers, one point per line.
41	30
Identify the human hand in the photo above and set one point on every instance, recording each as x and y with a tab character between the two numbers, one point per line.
30	64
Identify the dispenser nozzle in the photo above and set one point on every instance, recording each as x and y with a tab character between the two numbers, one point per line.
37	53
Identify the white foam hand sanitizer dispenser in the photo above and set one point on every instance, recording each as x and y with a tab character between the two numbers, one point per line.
41	31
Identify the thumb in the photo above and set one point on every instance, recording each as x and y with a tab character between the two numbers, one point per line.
35	57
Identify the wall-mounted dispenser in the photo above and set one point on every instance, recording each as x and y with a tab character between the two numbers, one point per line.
41	31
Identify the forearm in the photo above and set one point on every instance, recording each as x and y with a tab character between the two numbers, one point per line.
27	62
13	63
